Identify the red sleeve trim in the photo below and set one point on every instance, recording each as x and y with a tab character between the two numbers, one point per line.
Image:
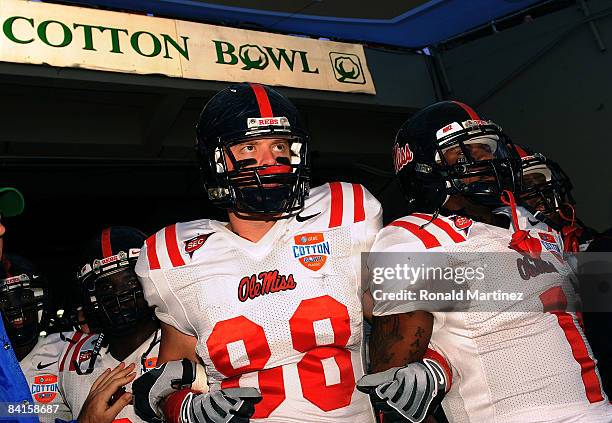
439	358
428	240
172	245
359	214
455	236
151	243
335	216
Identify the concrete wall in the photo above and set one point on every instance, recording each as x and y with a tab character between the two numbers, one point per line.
550	87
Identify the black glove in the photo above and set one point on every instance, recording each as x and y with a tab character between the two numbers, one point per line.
406	393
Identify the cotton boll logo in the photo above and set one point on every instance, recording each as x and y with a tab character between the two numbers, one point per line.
347	68
253	57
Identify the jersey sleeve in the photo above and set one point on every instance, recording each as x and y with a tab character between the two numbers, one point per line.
395	268
153	273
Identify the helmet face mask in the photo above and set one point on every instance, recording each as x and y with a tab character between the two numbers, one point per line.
455	152
112	298
22	299
234	116
546	191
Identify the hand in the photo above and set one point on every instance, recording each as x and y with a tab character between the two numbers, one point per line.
97	407
232	405
156	384
406	393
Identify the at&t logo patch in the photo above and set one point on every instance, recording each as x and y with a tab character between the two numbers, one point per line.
311	250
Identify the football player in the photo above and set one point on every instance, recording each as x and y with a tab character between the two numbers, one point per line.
24	301
123	326
508	361
270	301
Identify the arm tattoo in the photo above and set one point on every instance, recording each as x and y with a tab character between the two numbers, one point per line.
396	341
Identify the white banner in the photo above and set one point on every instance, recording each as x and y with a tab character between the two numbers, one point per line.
67	36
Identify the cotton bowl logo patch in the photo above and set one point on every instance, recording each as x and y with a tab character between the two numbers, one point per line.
311	250
44	388
550	243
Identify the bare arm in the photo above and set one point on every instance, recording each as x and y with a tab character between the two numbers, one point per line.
399	339
175	345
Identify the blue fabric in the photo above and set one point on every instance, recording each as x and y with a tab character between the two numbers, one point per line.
425	25
13	386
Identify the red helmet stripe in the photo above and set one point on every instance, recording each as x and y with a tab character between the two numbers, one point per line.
107	250
469	110
265	109
521	151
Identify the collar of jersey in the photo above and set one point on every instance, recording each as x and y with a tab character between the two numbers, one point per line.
257	249
522	214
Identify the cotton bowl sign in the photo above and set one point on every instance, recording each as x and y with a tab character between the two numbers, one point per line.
67	36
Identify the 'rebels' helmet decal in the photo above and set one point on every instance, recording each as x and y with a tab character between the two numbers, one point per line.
245	112
426	176
111	294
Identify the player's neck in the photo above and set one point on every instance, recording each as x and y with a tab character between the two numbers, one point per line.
252	230
120	347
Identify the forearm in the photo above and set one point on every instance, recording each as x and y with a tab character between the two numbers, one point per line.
399	339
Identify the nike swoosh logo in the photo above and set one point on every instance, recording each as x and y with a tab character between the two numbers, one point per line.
41	366
305	218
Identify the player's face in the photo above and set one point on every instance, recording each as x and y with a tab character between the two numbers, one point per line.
261	152
454	155
532	179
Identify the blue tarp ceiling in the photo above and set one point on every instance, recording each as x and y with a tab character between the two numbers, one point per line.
402	23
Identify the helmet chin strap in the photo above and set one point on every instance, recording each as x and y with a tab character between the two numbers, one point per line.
571	233
521	240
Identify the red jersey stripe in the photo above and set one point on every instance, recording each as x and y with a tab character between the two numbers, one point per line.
455	236
359	205
107	249
262	100
74	340
171	244
151	243
469	110
428	240
581	355
335	216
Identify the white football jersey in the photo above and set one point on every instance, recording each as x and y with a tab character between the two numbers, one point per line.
509	365
283	314
41	369
81	355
